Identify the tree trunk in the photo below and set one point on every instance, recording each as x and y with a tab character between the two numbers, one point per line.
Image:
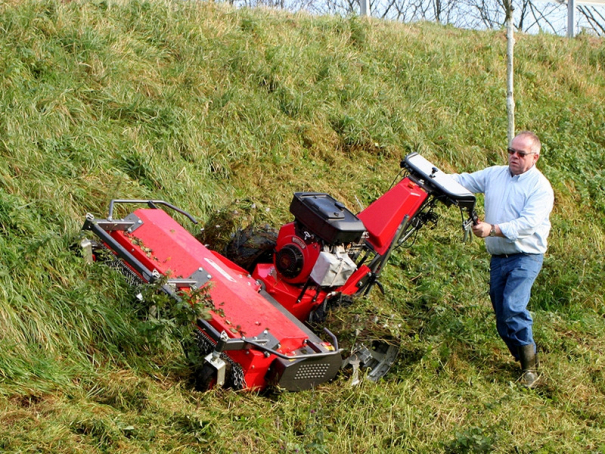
510	100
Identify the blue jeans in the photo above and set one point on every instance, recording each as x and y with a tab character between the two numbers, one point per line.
511	279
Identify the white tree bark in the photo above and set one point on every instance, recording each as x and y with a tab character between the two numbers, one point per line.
510	40
364	8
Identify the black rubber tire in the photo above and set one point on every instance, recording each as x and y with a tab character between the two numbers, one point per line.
205	379
251	246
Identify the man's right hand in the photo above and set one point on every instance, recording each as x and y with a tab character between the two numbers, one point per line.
482	229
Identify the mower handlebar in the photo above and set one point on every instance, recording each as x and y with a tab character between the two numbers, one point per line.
438	183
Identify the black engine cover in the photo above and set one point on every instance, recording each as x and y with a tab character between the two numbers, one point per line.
327	218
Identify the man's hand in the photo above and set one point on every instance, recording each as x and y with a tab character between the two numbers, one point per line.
482	229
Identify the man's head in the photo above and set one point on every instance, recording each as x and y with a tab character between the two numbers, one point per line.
524	152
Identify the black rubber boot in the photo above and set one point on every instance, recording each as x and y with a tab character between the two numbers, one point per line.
529	365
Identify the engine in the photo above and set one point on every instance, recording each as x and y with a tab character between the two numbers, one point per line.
318	244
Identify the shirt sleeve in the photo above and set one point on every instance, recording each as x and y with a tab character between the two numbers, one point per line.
473	182
534	215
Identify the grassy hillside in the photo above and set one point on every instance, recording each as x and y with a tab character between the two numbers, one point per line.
212	108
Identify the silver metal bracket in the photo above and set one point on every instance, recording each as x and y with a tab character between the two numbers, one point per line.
135	220
195	281
110	226
86	246
214	359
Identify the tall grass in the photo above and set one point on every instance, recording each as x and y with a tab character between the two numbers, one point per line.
213	108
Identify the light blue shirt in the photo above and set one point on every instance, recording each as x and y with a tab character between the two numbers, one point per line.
519	204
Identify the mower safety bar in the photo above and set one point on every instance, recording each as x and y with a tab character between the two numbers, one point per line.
230	344
151	204
148	275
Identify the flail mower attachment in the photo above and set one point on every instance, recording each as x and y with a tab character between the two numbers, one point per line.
257	334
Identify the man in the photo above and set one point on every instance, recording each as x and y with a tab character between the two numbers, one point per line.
518	202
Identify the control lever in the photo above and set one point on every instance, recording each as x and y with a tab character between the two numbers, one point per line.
473	219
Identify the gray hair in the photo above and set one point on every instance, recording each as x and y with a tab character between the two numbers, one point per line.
536	145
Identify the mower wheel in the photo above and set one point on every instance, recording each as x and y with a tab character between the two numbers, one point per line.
206	378
251	246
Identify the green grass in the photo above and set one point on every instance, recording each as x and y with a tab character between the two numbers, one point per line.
212	108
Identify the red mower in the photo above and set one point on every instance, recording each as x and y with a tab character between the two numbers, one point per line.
258	334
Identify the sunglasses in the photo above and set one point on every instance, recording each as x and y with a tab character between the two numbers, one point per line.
521	154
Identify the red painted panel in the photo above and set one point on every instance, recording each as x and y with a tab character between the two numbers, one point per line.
383	217
287	294
163	244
